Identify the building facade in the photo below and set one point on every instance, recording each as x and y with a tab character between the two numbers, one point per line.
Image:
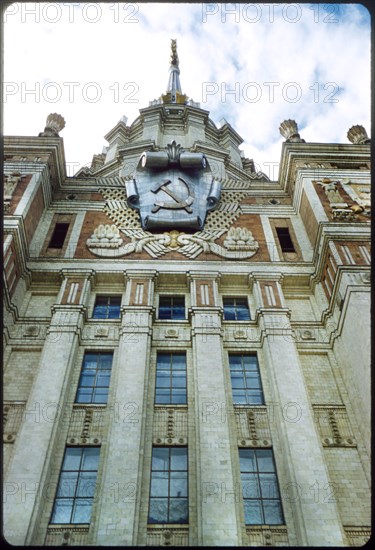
187	343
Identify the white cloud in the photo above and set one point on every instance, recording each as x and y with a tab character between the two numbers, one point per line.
123	51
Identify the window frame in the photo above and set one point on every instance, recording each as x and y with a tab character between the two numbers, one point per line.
173	389
248	391
107	306
80	476
171	306
235	307
257	479
97	371
169	497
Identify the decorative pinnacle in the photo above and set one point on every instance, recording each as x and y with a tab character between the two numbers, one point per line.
174	56
54	124
289	130
358	135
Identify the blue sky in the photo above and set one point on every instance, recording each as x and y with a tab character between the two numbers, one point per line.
253	64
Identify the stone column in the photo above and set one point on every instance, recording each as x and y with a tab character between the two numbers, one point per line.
44	413
316	518
117	522
216	488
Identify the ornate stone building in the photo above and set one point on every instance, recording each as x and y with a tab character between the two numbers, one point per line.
186	350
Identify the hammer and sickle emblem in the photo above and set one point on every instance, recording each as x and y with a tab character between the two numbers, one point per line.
178	203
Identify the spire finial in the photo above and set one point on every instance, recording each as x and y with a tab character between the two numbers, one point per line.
174	93
174	56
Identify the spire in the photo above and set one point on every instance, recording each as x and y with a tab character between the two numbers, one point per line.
174	93
174	84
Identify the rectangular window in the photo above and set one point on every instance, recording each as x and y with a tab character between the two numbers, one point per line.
171	378
76	487
245	378
58	236
95	376
107	307
169	485
260	489
172	307
236	309
285	239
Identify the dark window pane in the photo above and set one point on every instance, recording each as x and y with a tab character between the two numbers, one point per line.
229	313
103	379
237	379
242	309
100	312
58	236
86	485
165	307
265	461
84	395
272	512
285	239
90	458
178	458
162	396
253	512
179	379
160	458
158	512
164	361
72	458
178	361
253	381
239	397
163	379
250	362
105	360
90	361
178	484
87	380
247	460
178	510
114	312
250	486
62	511
159	484
235	362
67	484
82	511
178	397
269	487
100	395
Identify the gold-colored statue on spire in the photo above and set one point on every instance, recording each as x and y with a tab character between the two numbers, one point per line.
174	56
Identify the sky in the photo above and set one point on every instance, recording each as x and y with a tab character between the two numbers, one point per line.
253	64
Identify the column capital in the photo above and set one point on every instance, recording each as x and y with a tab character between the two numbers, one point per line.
199	275
67	273
256	276
131	274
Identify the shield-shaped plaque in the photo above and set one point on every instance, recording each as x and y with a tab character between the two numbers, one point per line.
173	189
